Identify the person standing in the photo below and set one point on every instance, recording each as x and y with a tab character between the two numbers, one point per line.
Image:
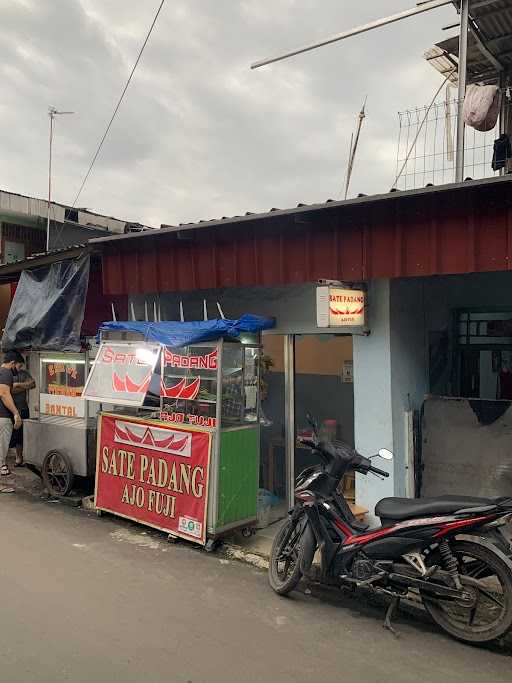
22	384
7	409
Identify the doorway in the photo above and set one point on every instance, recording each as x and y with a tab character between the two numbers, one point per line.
324	388
273	492
301	374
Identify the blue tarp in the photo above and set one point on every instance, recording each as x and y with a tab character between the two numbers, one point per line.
175	333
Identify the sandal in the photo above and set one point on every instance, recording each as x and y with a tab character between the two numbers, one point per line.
4	471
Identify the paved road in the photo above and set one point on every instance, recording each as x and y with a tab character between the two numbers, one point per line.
92	600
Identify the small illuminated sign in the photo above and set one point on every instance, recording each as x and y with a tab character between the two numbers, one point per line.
337	307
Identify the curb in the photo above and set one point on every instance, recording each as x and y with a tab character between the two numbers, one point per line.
235	552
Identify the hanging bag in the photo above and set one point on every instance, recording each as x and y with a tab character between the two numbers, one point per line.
481	107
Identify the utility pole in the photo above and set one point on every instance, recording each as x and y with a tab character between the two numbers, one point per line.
463	57
52	113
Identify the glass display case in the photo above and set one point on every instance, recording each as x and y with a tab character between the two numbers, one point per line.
211	384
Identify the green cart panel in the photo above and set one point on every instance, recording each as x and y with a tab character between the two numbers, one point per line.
238	475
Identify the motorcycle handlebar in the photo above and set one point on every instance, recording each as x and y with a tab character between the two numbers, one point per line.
359	462
376	470
307	442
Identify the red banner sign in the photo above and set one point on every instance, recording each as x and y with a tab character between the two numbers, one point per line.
205	362
154	473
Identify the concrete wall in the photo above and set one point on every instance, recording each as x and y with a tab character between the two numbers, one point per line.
293	306
420	307
390	378
443	294
466	447
409	368
373	395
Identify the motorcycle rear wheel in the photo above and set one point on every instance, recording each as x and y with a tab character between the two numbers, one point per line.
484	574
284	571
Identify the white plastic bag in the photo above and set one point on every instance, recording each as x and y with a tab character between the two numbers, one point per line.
481	106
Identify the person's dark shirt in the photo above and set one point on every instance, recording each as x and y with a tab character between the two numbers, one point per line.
6	377
20	398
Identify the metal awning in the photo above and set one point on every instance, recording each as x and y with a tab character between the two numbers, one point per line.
451	229
489	44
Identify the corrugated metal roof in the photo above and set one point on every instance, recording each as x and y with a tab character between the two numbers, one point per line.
453	229
36	208
300	209
493	20
10	271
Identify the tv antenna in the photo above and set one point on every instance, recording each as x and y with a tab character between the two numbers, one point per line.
52	113
353	146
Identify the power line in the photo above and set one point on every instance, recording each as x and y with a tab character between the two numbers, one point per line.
118	104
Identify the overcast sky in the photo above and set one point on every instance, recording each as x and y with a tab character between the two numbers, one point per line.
199	134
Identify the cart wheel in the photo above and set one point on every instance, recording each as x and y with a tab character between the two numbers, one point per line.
57	473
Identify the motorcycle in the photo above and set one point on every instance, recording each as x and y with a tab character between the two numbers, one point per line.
450	552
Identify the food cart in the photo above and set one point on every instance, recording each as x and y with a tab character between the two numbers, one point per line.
60	437
178	443
52	319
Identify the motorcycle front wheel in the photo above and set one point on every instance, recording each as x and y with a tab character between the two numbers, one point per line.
488	579
284	571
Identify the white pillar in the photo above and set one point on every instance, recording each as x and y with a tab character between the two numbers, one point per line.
390	379
373	414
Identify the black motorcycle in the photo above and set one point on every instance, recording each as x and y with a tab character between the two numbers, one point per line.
465	583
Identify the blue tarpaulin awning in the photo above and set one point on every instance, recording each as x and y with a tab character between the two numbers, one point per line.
174	333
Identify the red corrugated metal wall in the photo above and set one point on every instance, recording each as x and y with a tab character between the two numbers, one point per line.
98	308
461	231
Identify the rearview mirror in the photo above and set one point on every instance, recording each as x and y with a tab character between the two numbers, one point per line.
385	454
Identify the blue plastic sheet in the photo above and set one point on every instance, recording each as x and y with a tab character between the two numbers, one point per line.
176	334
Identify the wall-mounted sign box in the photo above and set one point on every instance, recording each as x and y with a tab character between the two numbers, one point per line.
337	307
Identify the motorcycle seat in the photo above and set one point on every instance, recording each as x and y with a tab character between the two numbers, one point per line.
397	509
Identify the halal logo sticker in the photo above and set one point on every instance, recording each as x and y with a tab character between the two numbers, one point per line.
190	526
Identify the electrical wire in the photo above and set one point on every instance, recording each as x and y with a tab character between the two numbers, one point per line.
86	177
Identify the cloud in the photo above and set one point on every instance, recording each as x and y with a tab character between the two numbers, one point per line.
199	134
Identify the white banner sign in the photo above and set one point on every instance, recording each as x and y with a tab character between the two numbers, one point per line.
63	406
